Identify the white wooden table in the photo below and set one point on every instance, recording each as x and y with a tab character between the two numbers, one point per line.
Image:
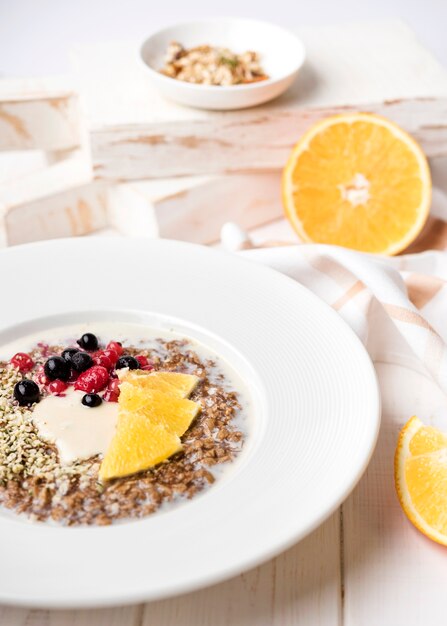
366	566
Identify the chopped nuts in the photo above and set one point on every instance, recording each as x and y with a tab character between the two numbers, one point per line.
208	65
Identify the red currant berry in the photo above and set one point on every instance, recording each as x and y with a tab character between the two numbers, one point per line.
100	358
142	360
57	387
112	392
92	380
115	345
111	354
114	385
110	397
22	361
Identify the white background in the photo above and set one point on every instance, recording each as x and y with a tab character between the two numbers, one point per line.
35	35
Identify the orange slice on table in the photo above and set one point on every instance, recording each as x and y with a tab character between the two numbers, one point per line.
152	416
420	473
358	181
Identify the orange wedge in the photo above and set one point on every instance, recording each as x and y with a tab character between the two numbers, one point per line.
137	445
152	416
181	385
176	414
358	181
420	473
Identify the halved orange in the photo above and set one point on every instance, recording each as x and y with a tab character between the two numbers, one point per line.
359	181
420	473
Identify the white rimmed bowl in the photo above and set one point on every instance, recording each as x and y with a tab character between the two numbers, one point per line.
316	413
282	55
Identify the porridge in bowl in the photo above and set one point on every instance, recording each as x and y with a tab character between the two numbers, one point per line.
103	422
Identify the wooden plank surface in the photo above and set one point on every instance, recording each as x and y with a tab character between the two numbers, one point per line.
76	211
39	114
123	616
300	587
44	201
195	208
394	576
135	133
55	199
245	144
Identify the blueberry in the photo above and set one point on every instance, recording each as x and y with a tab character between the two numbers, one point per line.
127	361
81	361
91	400
88	342
26	392
68	354
57	367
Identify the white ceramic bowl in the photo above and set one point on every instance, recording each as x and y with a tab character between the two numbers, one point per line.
315	417
282	54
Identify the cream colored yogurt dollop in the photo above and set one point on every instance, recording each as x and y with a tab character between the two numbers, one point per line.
79	432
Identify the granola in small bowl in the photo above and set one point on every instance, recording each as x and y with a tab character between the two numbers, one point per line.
94	430
212	65
221	64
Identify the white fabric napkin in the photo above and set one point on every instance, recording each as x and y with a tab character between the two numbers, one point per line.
397	306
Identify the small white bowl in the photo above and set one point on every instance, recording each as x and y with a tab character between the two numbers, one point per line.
281	55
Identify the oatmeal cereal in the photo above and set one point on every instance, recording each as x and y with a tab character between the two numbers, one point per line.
47	473
208	65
